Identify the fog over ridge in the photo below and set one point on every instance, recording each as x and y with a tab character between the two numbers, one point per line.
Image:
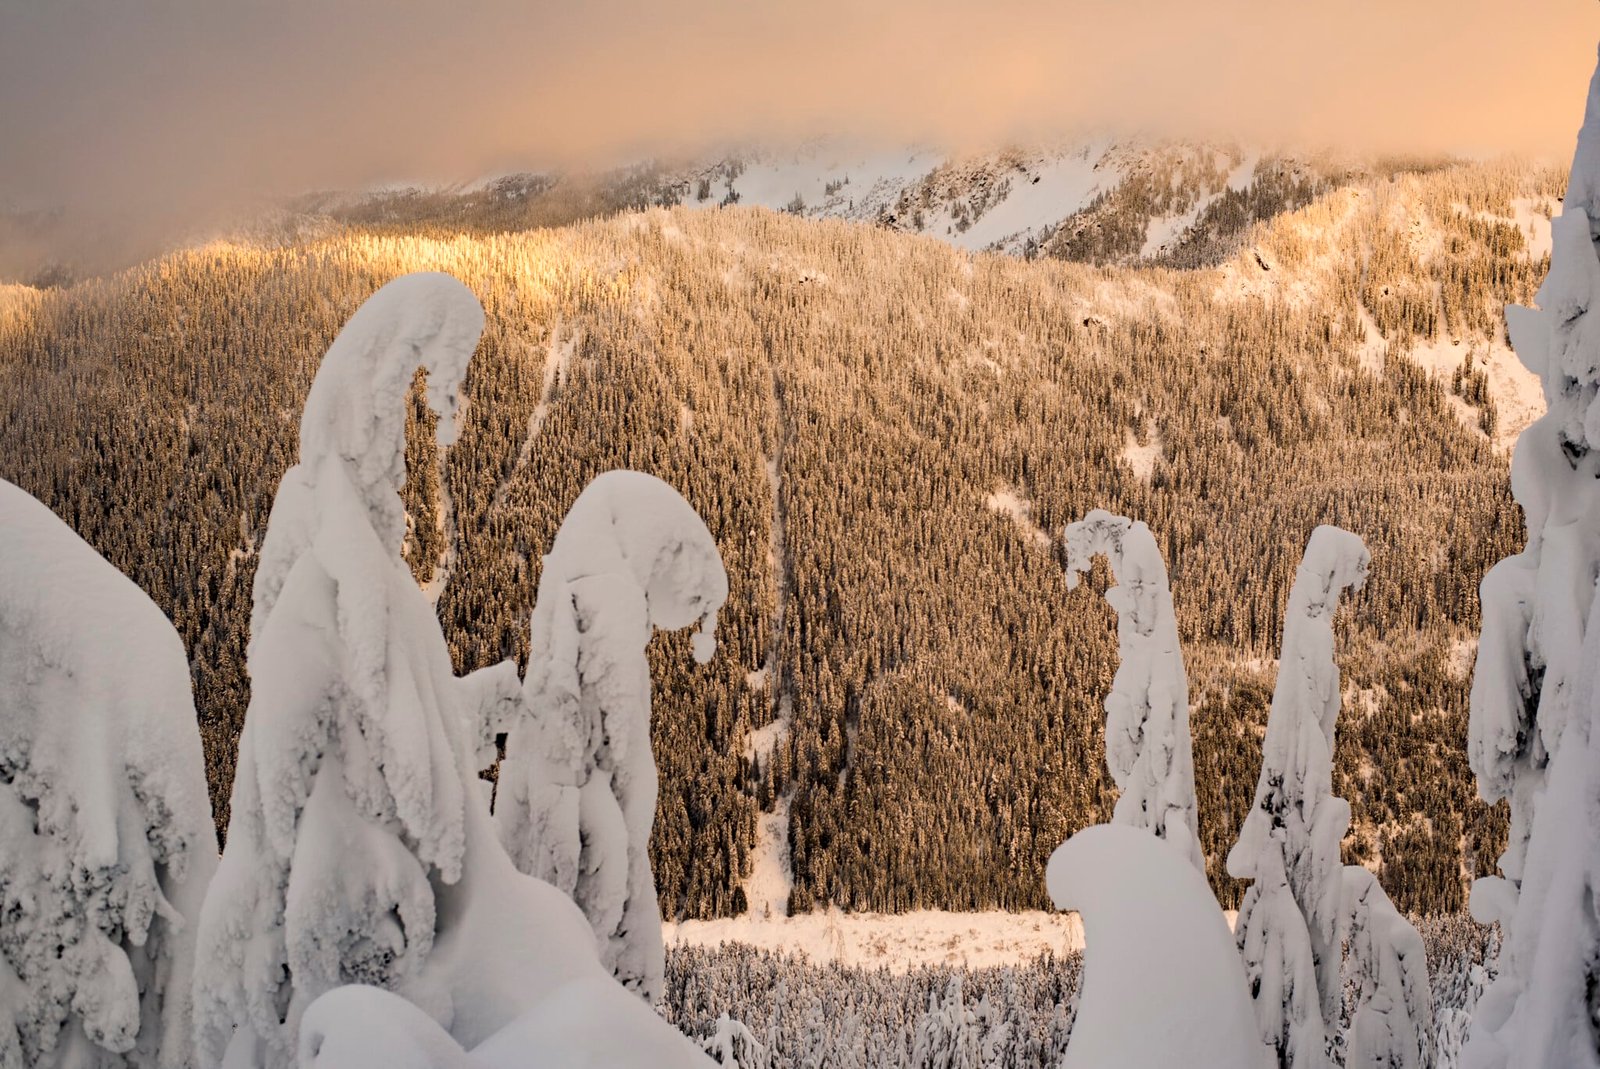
151	116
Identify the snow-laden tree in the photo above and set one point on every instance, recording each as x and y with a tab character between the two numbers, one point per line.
1162	982
948	1034
106	838
1148	746
357	854
347	807
1391	1026
1535	721
1288	925
731	1043
577	788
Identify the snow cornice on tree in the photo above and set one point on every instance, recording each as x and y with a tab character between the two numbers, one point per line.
1162	983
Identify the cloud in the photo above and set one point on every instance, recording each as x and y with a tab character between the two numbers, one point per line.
163	112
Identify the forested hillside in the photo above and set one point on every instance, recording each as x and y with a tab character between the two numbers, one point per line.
883	433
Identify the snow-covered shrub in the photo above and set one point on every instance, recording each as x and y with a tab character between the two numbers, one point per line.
1535	720
1288	924
356	852
731	1043
1148	746
1391	1026
1162	983
106	839
577	788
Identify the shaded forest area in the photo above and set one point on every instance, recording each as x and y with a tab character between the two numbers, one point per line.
915	417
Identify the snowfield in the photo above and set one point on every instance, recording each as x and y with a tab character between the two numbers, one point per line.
897	942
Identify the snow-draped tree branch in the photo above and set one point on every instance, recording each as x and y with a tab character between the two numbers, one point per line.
1148	745
1162	983
1535	720
106	837
347	807
577	792
1288	925
1391	1026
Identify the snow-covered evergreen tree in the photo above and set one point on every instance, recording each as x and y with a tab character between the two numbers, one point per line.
1148	745
732	1044
1288	924
1391	1026
577	788
347	806
1535	721
356	854
106	838
949	1035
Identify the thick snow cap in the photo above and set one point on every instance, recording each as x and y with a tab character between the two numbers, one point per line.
1162	984
355	413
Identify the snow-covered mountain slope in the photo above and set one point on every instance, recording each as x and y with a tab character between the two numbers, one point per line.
861	414
1015	200
996	201
1095	200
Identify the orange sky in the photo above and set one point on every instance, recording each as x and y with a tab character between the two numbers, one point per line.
172	105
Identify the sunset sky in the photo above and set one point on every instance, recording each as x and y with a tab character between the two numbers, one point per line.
172	105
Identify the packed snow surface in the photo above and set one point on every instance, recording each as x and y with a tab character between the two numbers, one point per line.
360	1027
771	879
1162	983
